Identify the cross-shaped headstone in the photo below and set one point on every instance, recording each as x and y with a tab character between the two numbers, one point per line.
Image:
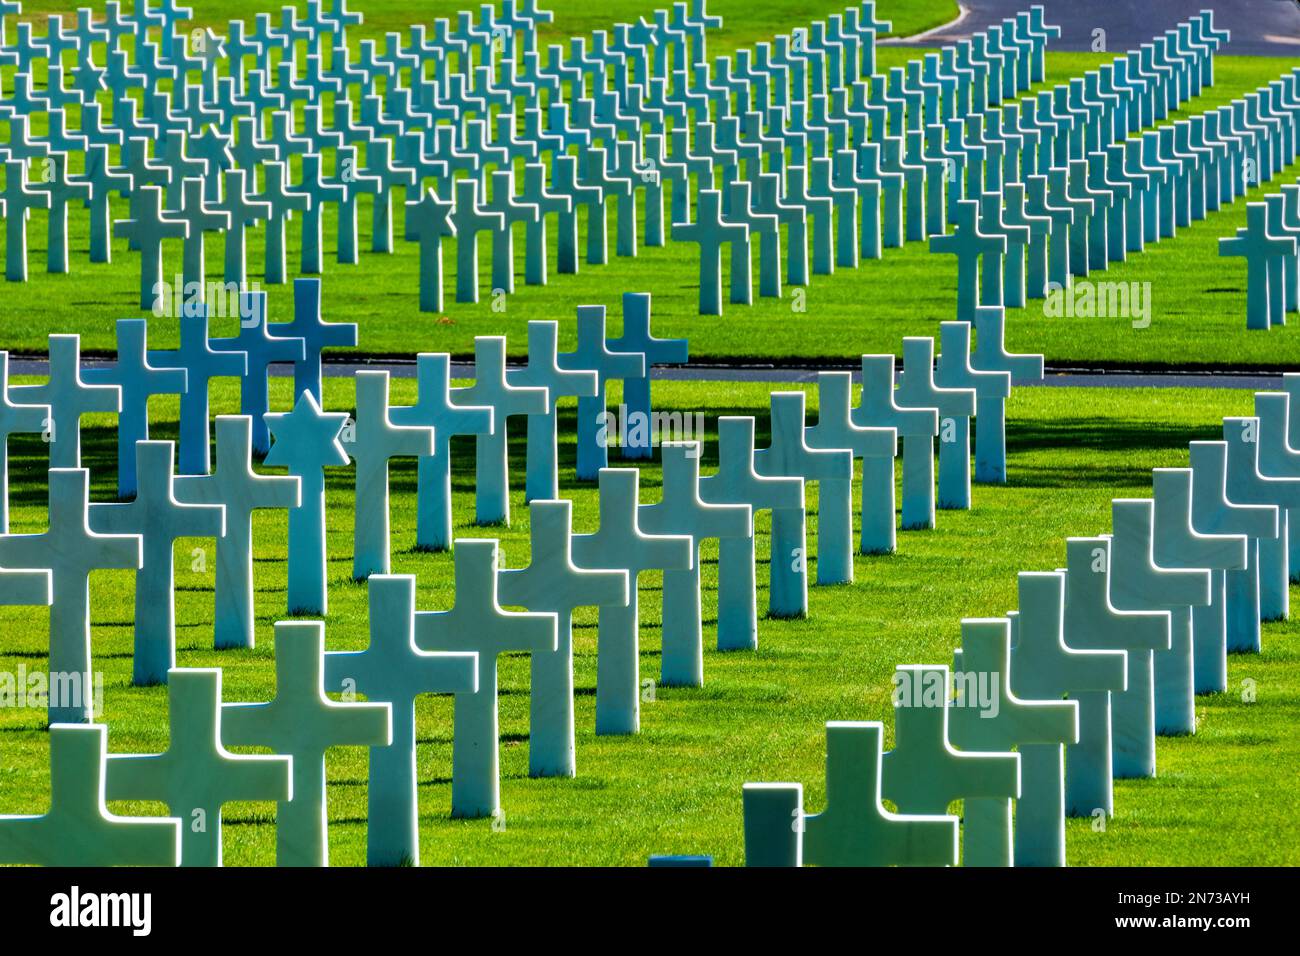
969	245
917	426
469	219
148	226
70	550
594	354
393	669
991	355
373	442
541	470
196	776
997	719
68	398
620	544
1092	622
790	455
199	217
553	583
17	201
917	388
1177	544
301	722
78	830
159	519
736	482
316	333
244	211
493	389
236	485
637	338
201	363
711	232
477	623
261	349
682	511
854	829
954	371
1043	667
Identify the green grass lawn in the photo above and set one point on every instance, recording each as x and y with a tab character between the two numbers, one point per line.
676	787
1198	300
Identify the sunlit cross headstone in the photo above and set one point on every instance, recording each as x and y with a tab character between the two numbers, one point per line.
552	582
1139	583
68	397
620	544
989	716
434	408
372	444
493	389
302	723
1177	544
1043	667
594	354
1213	512
78	830
242	490
682	511
879	407
159	519
70	550
1092	622
854	829
17	200
196	776
541	468
393	669
736	482
477	623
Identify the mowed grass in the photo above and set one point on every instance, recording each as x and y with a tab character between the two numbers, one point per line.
1197	299
676	787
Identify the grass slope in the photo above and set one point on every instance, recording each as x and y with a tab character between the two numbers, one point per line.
676	787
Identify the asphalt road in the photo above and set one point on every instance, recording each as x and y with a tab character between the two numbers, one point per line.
1259	27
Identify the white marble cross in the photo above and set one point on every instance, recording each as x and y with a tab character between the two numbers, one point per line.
68	398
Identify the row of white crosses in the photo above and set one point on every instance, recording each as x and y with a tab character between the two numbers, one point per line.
212	138
1028	238
456	651
1270	239
1102	657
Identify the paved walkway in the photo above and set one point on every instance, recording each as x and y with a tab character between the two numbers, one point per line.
705	373
1259	27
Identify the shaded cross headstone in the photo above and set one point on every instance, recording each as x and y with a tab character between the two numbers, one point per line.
493	389
711	232
242	490
17	200
736	482
159	519
70	550
541	469
594	354
637	338
393	669
477	623
148	226
917	427
434	408
991	355
316	333
917	388
373	442
682	511
196	776
78	830
302	723
553	583
14	420
138	381
969	245
201	363
954	371
620	544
